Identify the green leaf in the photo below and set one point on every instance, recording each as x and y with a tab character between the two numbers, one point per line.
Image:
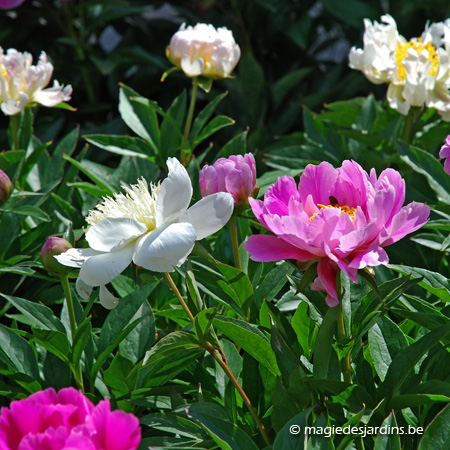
8	159
171	134
305	329
41	316
116	375
204	115
121	145
386	341
292	435
225	434
426	164
437	434
248	337
138	116
174	424
18	353
203	321
54	341
212	127
405	361
29	210
81	339
385	441
323	345
433	282
170	345
412	400
238	286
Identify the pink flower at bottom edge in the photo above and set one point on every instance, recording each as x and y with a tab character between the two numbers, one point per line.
343	218
10	4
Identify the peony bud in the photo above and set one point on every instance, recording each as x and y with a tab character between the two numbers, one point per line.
55	246
6	187
203	50
235	175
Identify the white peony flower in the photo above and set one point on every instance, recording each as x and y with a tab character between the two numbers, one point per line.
22	84
153	228
203	50
417	71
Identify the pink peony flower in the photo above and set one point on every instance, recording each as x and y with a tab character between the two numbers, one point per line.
341	217
445	153
6	187
235	175
10	4
66	420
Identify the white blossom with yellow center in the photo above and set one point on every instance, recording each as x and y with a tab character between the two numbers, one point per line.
22	84
153	228
417	71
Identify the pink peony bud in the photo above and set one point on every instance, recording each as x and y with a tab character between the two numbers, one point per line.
10	4
6	187
445	153
204	50
55	246
66	420
235	175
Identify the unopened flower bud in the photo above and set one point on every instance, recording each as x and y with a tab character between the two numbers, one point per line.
235	175
55	246
6	187
204	51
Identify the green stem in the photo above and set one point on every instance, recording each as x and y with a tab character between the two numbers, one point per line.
241	392
185	156
73	325
14	120
409	123
235	242
180	298
346	364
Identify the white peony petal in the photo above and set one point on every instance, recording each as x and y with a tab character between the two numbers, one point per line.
165	248
174	195
113	233
107	300
75	257
103	267
192	69
209	214
83	289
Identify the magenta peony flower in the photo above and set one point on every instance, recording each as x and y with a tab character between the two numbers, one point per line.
340	217
10	4
235	175
66	420
445	153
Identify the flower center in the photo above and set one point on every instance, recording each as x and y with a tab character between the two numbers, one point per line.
138	203
334	204
401	51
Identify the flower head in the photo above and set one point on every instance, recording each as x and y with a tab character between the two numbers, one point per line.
151	226
417	71
22	84
66	420
6	187
54	246
236	175
445	153
204	50
343	218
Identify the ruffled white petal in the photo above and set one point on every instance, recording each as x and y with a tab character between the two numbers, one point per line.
165	248
83	289
209	214
192	69
114	233
174	195
101	268
75	257
107	300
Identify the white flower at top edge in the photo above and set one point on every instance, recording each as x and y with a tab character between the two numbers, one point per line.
22	84
154	228
417	71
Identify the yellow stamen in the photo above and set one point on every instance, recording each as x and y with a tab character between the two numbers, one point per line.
344	209
401	51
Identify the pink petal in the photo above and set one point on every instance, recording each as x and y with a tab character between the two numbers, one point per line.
372	257
326	281
319	182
